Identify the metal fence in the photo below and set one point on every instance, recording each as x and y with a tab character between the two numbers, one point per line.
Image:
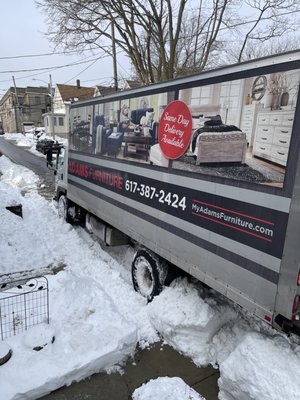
23	303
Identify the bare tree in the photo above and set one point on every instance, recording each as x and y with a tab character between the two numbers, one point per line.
272	20
162	38
200	36
152	33
253	50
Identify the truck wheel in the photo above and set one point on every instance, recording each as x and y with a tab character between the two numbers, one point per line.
148	273
63	208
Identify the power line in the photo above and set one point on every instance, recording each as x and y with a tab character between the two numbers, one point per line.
47	54
255	20
108	47
105	55
89	66
95	59
224	28
49	68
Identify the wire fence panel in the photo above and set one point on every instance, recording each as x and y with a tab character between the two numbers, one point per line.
23	303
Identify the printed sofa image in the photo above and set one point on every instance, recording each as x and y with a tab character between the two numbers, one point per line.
218	143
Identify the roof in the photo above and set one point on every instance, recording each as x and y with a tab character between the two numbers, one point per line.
71	92
34	89
22	91
105	90
132	84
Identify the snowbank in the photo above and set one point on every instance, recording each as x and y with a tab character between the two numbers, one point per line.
187	315
166	389
255	361
261	367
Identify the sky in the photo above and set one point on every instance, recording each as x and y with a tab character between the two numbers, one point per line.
255	361
25	49
23	31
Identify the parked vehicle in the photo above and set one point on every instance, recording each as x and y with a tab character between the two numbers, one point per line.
204	176
44	145
38	132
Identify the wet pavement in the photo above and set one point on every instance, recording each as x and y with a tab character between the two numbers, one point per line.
37	164
158	361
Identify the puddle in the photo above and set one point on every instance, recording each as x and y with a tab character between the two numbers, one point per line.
158	361
47	192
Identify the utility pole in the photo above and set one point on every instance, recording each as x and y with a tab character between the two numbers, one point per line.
19	116
51	108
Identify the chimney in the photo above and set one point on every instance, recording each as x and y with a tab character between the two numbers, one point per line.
78	83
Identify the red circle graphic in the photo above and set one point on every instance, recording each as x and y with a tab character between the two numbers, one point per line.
175	129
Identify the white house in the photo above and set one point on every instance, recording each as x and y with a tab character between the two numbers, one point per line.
56	121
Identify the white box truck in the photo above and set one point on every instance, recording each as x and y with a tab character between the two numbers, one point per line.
203	174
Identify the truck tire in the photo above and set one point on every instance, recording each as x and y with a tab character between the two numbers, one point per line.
63	209
149	273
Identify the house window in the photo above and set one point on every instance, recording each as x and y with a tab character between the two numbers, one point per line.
230	100
60	121
54	121
201	95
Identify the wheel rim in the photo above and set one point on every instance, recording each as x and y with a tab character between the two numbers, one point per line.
144	277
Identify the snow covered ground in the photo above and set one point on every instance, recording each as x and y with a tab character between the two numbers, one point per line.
97	319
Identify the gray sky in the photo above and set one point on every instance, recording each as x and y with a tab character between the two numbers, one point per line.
22	32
